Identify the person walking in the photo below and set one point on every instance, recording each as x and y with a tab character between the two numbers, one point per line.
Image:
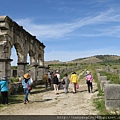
26	85
55	84
49	78
46	81
52	76
65	83
58	76
4	90
89	79
74	81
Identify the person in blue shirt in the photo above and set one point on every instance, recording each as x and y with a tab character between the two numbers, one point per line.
26	84
4	90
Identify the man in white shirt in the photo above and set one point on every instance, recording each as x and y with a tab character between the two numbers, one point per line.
58	76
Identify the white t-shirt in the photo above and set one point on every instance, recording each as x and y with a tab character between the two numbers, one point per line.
58	76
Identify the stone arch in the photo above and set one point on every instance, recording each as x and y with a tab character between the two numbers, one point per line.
11	34
19	52
32	57
40	60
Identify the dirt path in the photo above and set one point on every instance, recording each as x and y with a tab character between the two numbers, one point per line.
47	103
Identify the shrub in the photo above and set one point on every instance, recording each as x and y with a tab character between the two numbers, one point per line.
13	79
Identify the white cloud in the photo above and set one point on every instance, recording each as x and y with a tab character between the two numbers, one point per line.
59	30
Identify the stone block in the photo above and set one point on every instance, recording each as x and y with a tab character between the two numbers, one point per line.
103	78
103	83
98	75
112	92
112	104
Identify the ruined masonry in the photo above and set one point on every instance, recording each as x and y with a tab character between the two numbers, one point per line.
11	34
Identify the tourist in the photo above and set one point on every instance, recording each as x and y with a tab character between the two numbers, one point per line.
49	78
52	76
4	90
27	86
46	81
58	76
55	84
87	72
89	79
74	81
66	83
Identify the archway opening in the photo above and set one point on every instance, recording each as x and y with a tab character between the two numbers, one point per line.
14	57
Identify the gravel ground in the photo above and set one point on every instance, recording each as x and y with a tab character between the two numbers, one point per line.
47	103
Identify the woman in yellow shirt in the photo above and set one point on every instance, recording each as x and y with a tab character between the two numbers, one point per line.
74	81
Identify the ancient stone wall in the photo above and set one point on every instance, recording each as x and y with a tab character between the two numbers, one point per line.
13	35
111	93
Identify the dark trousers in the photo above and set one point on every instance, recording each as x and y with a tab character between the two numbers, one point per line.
4	97
89	86
46	85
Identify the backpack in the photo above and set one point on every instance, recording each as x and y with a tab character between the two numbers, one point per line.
63	82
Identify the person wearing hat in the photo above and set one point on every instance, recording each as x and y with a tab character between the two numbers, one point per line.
4	90
55	84
65	83
58	76
26	85
74	81
89	79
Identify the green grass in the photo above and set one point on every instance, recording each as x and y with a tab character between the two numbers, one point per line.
14	99
100	105
18	98
114	78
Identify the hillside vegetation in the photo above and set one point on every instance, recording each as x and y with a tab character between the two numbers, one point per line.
92	59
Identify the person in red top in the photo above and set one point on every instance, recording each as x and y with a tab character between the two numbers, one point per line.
89	79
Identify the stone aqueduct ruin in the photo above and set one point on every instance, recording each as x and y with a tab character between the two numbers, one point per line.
13	35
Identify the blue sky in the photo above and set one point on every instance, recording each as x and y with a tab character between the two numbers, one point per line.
69	29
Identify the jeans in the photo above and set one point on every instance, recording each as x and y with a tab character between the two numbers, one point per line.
26	94
65	89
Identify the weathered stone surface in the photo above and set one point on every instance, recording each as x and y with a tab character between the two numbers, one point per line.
112	104
103	78
112	92
102	82
13	35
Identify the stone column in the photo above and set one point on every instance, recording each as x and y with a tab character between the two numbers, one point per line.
40	73
5	68
33	72
22	68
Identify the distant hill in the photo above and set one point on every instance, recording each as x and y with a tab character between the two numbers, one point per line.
92	59
52	62
97	58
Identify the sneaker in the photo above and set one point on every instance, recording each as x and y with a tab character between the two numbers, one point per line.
24	102
28	101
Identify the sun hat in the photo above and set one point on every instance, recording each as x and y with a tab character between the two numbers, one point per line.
88	72
57	71
26	76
